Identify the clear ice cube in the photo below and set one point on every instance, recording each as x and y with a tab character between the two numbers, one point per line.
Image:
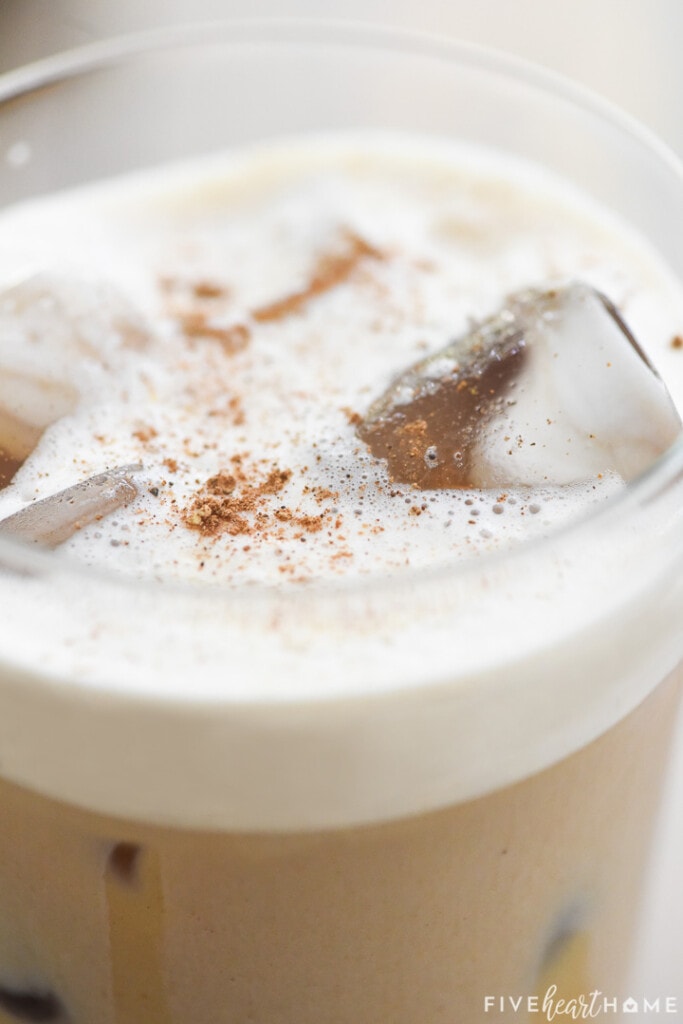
554	390
55	332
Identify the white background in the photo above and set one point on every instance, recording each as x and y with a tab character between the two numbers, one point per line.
631	51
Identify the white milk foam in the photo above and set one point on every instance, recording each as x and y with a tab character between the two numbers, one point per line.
146	308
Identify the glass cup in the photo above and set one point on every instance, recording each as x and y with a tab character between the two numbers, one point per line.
197	826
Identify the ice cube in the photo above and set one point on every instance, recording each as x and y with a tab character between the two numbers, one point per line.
70	315
32	401
55	334
554	389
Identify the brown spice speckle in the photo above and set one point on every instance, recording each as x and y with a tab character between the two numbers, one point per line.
353	418
198	324
332	269
145	433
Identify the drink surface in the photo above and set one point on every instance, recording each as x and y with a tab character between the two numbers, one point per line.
226	325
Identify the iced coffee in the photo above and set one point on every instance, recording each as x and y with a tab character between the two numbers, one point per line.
332	653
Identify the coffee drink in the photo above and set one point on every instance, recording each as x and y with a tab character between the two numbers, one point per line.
339	698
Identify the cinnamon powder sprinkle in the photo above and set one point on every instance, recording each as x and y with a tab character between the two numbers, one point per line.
209	290
237	410
312	524
198	324
677	341
201	289
353	418
332	269
145	433
195	306
411	439
236	502
199	308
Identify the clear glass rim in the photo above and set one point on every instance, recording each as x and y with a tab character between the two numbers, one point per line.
664	473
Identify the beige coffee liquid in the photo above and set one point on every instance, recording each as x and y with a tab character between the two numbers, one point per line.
418	920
